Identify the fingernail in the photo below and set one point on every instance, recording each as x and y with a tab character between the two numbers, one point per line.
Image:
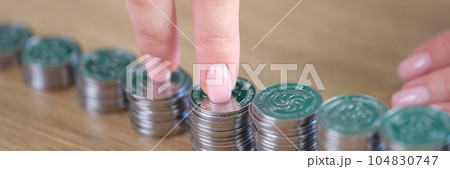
416	65
218	83
413	96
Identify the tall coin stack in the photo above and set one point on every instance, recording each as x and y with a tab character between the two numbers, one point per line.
284	117
100	80
222	126
416	128
48	63
350	123
156	111
12	39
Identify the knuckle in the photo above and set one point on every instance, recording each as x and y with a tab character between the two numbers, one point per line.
439	84
152	38
446	77
218	39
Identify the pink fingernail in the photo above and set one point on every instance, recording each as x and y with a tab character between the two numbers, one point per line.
218	83
416	65
415	96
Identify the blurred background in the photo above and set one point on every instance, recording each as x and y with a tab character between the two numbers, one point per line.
355	46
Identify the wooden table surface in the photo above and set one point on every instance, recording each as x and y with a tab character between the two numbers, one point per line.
355	46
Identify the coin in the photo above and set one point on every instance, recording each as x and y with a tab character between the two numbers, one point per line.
416	128
222	126
294	102
48	62
153	112
12	39
350	123
284	117
100	76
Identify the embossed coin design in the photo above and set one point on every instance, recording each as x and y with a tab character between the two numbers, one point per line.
49	62
416	128
166	110
294	102
100	80
284	117
222	126
350	122
12	39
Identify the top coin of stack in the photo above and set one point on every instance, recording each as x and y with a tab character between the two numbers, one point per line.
222	126
12	39
48	63
100	80
416	128
157	111
350	123
284	117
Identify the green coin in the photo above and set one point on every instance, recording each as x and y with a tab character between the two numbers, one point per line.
288	101
50	51
352	114
243	94
179	78
105	64
416	126
13	36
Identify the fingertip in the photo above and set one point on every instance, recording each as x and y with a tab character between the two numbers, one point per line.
416	65
218	83
157	68
415	96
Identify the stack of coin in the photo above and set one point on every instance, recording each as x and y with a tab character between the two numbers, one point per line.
284	117
222	126
100	80
48	63
350	123
156	110
416	128
12	40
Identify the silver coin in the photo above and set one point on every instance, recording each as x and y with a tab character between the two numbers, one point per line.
156	116
48	63
284	118
350	123
222	126
13	37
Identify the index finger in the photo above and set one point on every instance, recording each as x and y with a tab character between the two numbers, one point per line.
216	32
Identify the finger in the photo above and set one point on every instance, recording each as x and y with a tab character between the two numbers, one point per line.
216	31
443	106
428	89
152	22
432	55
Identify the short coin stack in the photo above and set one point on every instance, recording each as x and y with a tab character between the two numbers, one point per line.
222	126
12	39
350	123
284	117
156	111
416	128
100	80
48	63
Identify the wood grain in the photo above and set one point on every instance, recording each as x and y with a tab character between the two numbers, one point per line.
355	45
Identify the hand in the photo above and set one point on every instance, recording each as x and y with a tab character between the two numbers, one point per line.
216	36
427	75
